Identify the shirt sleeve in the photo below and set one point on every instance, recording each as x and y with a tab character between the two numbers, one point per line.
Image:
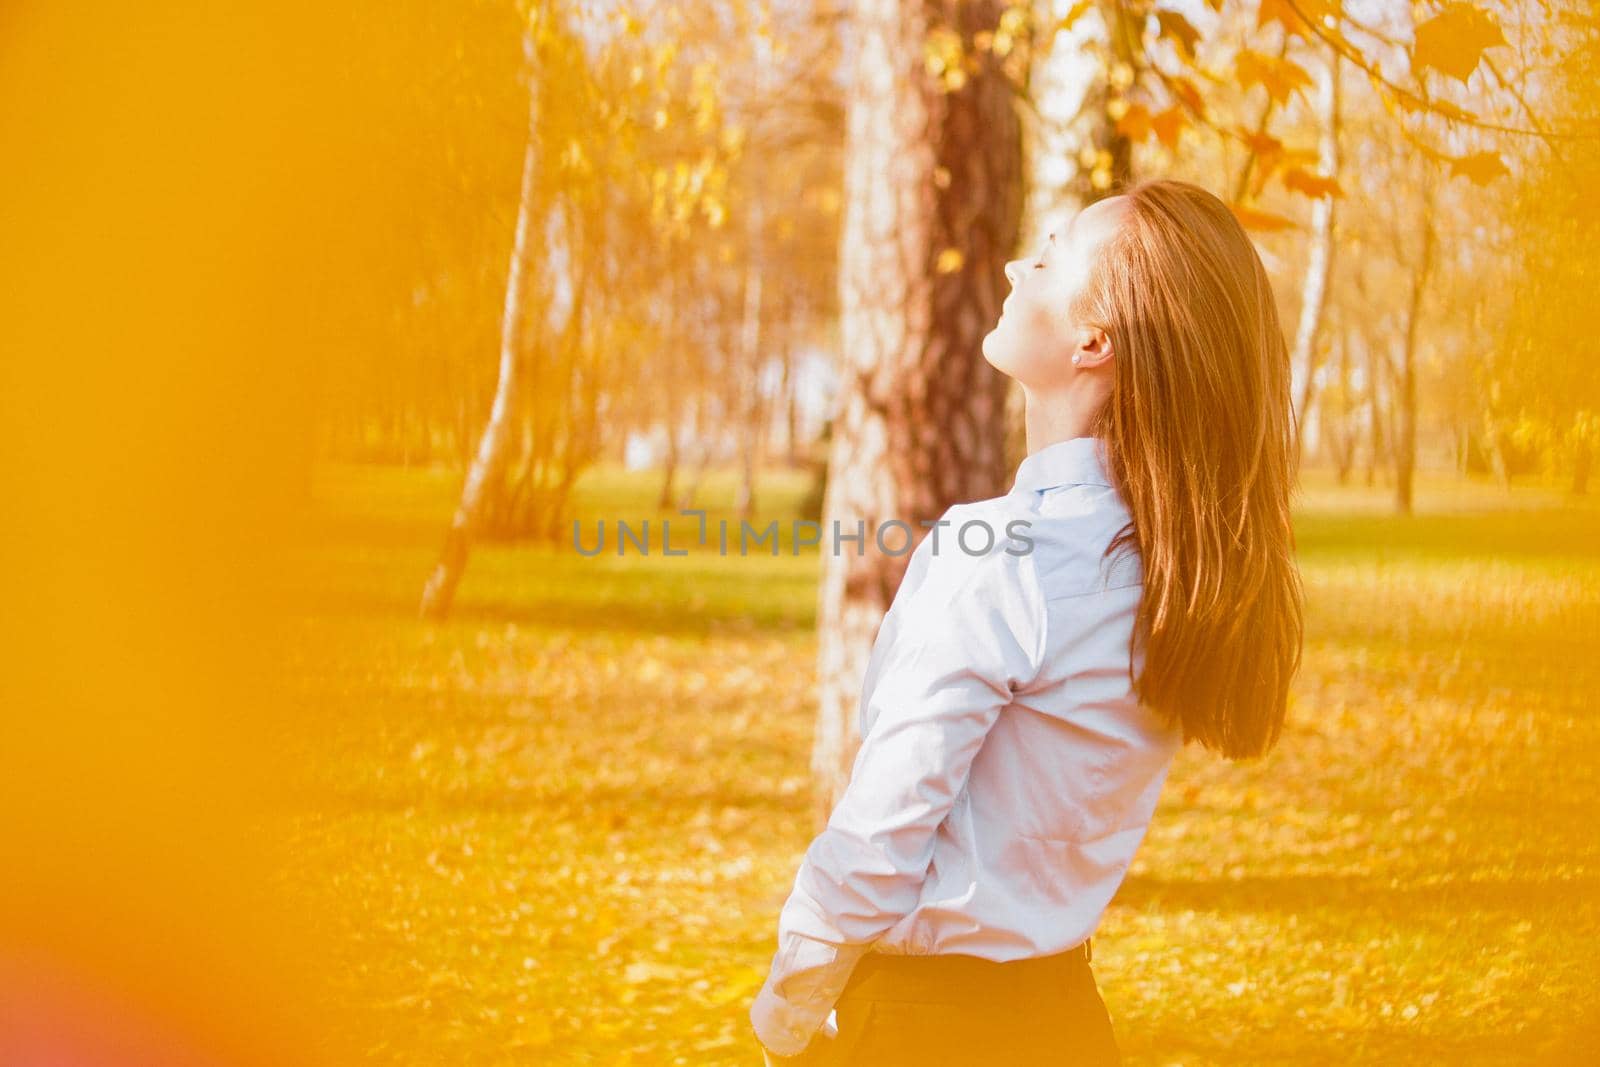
965	634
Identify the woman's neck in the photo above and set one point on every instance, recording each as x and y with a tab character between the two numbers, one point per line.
1059	415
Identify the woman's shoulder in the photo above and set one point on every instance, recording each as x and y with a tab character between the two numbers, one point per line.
972	587
1071	532
974	555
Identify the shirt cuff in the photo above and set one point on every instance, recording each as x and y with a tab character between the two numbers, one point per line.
782	1026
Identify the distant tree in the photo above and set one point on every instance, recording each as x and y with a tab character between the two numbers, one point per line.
493	456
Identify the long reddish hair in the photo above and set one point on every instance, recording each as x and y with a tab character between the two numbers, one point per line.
1201	440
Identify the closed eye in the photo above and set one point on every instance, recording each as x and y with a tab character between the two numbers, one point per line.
1040	265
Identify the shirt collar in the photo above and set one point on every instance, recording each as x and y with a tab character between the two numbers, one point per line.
1075	461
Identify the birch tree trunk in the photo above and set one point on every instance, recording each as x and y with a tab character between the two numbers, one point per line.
933	189
486	474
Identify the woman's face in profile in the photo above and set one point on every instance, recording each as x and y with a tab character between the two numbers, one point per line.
1034	340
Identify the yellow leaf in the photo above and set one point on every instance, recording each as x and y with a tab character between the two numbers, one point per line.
1134	123
1452	42
1285	14
1280	77
1168	125
1481	167
1179	30
1300	180
1076	12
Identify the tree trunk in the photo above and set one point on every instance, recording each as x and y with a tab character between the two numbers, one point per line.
1405	451
1376	444
1344	434
690	485
1319	263
672	392
1500	457
933	204
485	475
750	365
670	471
789	393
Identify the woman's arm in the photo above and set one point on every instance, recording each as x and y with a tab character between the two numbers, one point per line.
969	633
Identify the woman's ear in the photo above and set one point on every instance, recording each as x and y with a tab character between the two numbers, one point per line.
1090	347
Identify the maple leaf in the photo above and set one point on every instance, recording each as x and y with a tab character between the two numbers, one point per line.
1453	41
1180	31
1481	167
1077	11
1300	180
1135	123
1285	14
1264	146
1168	125
1280	77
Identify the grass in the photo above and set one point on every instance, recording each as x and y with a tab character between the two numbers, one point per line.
558	827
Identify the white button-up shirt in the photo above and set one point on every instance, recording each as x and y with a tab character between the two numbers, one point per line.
1006	774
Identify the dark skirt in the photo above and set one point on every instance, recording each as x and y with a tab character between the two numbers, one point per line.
963	1011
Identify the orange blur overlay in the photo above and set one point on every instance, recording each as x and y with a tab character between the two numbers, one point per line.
179	188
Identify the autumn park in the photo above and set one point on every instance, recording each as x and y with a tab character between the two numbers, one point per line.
336	338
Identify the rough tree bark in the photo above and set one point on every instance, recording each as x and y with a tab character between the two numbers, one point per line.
933	205
486	474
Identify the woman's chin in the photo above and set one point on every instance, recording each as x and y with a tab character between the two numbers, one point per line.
993	347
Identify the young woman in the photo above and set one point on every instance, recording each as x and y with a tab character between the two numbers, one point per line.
1022	705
